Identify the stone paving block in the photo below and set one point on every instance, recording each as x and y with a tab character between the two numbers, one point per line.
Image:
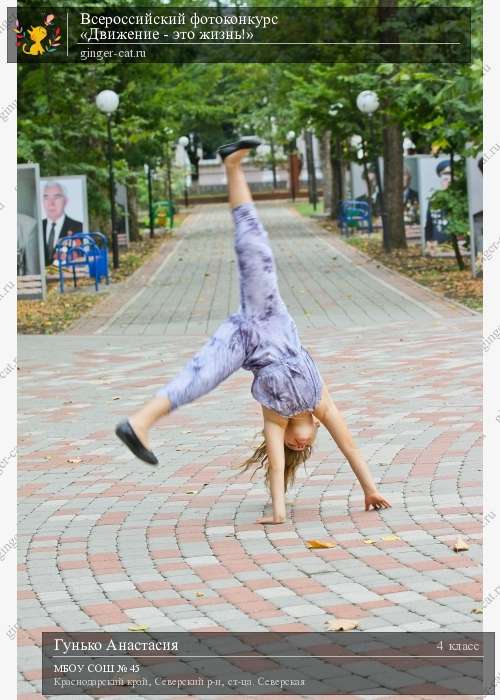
401	363
405	597
302	610
274	592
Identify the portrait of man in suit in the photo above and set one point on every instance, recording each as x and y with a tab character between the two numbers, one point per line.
56	223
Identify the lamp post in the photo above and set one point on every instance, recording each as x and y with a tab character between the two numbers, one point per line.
147	170
107	101
291	137
168	135
367	102
333	111
311	168
272	121
184	142
195	153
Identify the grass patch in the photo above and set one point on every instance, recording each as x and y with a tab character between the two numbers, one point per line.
56	313
307	209
59	311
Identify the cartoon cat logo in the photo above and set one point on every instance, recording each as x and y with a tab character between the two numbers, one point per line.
43	38
37	35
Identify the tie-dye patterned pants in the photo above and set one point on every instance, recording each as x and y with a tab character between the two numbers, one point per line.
260	336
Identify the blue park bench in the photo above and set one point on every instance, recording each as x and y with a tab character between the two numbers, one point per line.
355	216
81	250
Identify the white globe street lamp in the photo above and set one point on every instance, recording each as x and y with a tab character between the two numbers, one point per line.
368	103
184	141
290	135
107	101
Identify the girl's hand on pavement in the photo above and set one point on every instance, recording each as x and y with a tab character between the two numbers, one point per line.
270	520
376	501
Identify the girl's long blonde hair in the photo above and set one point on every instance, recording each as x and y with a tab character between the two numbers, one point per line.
293	460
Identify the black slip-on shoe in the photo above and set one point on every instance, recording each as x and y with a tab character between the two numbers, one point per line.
127	435
245	142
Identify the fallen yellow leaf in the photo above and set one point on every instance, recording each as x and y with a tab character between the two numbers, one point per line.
320	544
200	594
477	611
460	545
115	398
369	541
74	460
341	625
191	492
390	538
138	628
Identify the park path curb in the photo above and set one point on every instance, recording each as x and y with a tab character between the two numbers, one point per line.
99	316
418	292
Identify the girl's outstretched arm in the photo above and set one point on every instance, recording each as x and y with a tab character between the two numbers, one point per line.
328	413
274	433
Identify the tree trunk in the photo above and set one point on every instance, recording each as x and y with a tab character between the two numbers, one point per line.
456	250
133	208
365	170
453	236
337	184
311	169
393	139
326	166
389	47
393	185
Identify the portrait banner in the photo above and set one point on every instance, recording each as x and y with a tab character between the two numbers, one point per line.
63	201
474	174
364	187
30	251
122	215
411	199
433	174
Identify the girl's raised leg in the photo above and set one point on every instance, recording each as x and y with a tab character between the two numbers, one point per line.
259	293
239	192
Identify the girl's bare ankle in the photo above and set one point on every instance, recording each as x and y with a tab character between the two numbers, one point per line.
232	165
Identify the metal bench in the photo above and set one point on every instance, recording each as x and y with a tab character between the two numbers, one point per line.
81	250
355	216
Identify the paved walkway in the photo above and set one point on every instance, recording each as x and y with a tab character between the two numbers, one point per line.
107	542
196	287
